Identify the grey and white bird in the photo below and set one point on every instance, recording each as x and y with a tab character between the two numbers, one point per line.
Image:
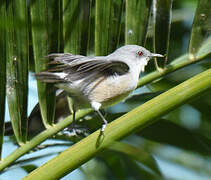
98	81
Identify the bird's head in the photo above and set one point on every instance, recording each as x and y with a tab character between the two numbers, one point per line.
135	55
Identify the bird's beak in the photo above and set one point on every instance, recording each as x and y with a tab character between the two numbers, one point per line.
155	55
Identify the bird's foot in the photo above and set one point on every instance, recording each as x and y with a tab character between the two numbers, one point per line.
74	132
103	128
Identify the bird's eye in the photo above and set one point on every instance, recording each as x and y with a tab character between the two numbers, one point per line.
140	53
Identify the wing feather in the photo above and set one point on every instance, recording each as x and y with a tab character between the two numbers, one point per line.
77	67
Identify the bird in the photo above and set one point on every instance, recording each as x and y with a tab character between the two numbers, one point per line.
97	81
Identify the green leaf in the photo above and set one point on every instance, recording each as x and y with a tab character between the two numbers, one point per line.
121	166
162	10
137	154
201	31
115	30
205	49
140	172
39	156
108	16
102	26
17	68
29	168
204	106
167	132
141	98
46	39
75	25
2	74
137	17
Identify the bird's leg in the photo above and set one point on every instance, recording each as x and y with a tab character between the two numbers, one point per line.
96	106
104	121
73	122
71	130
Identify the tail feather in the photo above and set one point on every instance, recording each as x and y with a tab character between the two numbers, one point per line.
49	77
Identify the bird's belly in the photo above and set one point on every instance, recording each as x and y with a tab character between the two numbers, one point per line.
105	90
80	100
114	99
111	90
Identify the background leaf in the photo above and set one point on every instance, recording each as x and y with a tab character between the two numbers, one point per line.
102	26
136	22
167	132
45	19
75	25
2	74
17	67
138	154
162	10
29	168
201	28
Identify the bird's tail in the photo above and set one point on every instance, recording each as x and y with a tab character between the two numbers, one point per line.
49	77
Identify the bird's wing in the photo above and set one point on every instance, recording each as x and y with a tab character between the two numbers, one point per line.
63	58
70	68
